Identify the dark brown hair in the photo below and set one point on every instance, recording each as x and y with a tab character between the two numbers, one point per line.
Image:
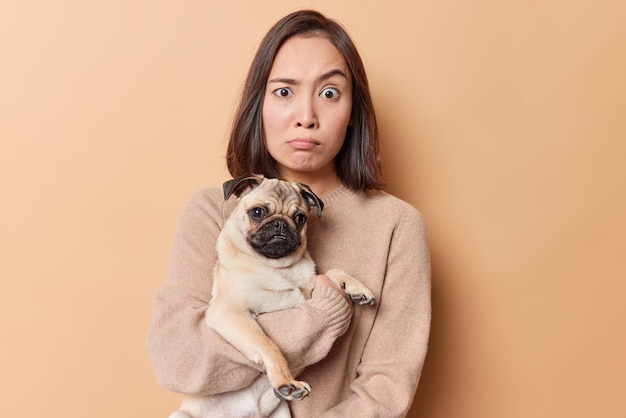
358	162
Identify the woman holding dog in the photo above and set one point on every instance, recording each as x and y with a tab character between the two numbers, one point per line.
306	115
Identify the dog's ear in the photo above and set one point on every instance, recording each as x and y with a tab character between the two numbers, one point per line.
239	185
311	198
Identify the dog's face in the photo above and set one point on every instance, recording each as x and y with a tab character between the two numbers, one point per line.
272	214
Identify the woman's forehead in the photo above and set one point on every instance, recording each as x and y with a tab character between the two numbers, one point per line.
308	57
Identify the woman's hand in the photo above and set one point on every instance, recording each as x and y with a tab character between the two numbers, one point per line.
323	280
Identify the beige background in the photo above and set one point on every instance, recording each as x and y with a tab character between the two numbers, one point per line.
504	123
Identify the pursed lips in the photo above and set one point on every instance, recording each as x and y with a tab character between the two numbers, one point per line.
303	143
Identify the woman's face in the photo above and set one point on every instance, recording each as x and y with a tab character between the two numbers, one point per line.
307	107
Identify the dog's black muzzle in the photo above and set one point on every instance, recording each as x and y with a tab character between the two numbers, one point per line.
275	239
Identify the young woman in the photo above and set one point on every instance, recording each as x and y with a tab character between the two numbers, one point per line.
306	115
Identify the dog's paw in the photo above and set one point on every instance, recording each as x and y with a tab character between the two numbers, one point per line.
353	288
365	298
293	392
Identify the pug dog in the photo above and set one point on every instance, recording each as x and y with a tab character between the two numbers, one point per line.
263	266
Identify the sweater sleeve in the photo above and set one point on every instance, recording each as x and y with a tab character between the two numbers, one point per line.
189	357
393	358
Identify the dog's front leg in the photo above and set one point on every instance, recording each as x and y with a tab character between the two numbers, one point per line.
239	328
282	411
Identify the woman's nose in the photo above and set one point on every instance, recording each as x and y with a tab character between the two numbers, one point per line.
306	116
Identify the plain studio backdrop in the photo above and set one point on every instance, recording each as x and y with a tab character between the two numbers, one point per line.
503	122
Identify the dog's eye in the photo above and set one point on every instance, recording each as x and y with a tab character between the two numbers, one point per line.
299	218
258	213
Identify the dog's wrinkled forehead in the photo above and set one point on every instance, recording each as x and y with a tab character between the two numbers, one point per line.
278	196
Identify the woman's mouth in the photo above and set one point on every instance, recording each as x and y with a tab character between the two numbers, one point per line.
303	143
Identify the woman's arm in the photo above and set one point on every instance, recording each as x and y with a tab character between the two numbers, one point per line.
329	310
188	356
394	355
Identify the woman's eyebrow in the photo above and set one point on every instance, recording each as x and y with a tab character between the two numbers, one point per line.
283	80
323	77
333	73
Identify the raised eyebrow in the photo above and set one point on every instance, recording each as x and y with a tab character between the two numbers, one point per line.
333	73
323	77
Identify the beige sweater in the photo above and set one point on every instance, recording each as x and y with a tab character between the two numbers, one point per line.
367	365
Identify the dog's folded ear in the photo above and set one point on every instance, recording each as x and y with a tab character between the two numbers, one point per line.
239	185
311	198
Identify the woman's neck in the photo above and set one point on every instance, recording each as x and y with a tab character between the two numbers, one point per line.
322	184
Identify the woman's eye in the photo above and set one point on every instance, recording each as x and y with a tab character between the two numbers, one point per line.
283	92
330	93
